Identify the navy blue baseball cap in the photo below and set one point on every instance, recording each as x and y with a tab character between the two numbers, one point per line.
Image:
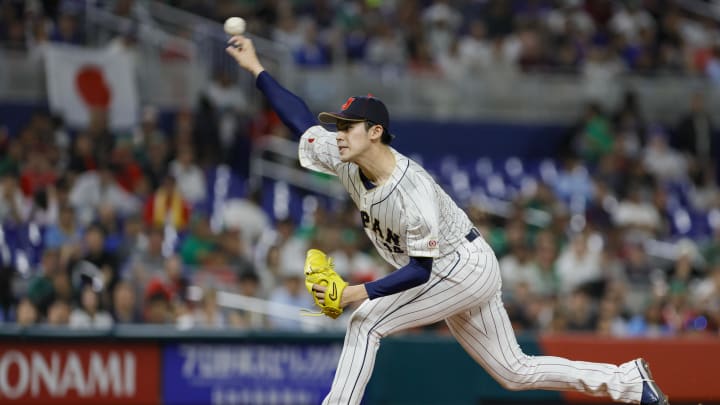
360	108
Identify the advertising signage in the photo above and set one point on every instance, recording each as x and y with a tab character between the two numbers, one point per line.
239	374
79	373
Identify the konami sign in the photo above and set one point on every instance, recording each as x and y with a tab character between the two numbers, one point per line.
79	373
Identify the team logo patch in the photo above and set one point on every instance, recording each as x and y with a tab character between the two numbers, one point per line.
311	140
347	103
432	244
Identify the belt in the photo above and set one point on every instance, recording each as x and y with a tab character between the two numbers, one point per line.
472	235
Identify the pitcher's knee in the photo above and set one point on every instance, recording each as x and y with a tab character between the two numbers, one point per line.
516	377
512	384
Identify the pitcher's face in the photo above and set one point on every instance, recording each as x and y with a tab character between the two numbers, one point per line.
352	139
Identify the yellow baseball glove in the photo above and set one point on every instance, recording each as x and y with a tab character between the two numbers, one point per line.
319	270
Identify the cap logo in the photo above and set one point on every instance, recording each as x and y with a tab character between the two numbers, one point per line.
347	103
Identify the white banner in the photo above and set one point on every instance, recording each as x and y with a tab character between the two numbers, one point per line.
80	79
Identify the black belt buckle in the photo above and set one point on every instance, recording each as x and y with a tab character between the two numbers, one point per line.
472	235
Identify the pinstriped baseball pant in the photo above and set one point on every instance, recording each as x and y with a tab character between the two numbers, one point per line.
464	290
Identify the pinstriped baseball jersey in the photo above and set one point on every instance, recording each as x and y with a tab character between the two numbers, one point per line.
408	215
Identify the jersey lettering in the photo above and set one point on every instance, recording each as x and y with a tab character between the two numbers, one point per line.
390	238
365	218
376	228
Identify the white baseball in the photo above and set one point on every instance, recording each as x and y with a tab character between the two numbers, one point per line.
234	25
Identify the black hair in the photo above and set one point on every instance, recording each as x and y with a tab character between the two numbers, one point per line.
385	138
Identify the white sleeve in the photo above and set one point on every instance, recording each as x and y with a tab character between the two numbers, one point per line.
422	213
318	150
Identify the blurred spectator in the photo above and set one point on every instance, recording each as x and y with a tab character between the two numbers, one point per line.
579	263
569	17
441	22
109	221
200	245
573	184
11	154
600	71
208	314
105	262
166	206
636	212
146	263
146	134
89	313
313	51
91	189
190	178
601	207
517	268
233	252
45	207
704	192
36	174
695	136
65	232
27	314
248	284
174	279
291	291
639	271
62	287
58	313
595	139
630	20
133	237
629	124
706	293
247	216
157	307
649	323
275	248
124	304
126	44
663	162
68	28
474	48
610	319
451	64
677	314
385	49
82	157
206	137
712	69
156	157
40	289
287	31
14	207
545	257
128	173
498	19
580	313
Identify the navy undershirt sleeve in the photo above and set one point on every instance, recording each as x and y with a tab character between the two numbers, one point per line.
412	275
291	109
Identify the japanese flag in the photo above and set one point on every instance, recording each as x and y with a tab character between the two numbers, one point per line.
80	79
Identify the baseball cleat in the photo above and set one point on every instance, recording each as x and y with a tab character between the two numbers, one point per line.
651	394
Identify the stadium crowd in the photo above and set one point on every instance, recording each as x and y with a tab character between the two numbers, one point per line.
452	38
102	228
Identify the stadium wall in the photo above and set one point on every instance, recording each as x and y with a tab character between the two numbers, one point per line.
149	365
